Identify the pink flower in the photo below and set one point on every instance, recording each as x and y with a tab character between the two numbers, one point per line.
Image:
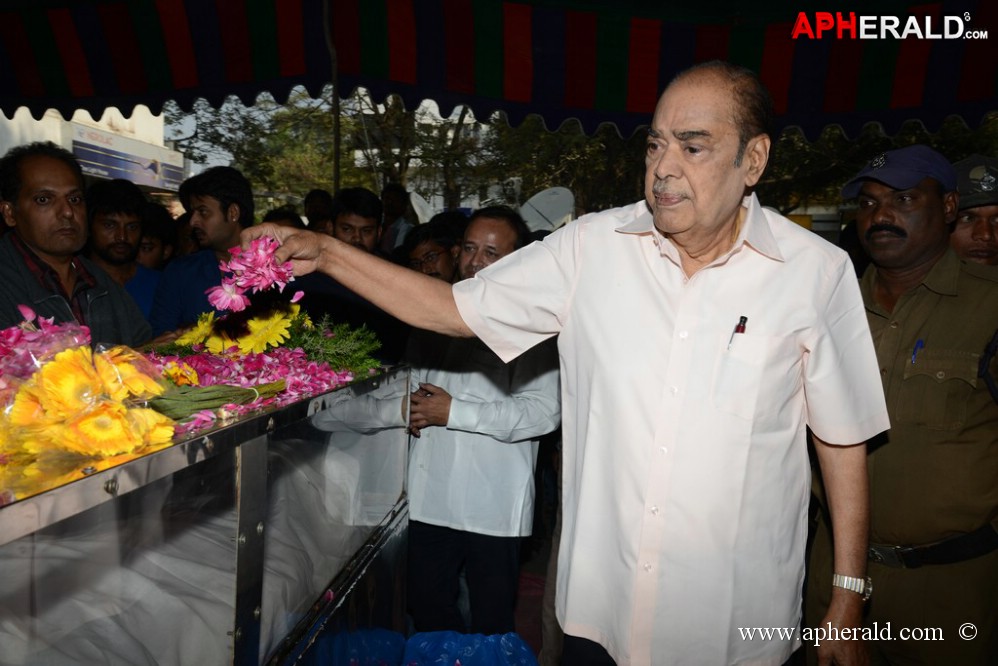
26	312
227	296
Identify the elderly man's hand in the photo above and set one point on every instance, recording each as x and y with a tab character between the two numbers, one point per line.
844	613
303	248
430	405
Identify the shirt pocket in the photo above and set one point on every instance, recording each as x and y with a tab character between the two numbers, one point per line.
738	374
936	388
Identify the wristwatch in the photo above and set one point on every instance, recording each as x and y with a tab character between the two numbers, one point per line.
863	586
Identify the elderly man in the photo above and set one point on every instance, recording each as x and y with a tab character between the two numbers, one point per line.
699	335
41	187
934	497
975	232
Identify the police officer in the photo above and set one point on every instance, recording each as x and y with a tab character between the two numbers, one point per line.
933	493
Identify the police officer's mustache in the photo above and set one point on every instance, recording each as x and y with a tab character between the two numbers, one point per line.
888	228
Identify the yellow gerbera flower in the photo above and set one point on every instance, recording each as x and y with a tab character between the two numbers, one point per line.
219	344
153	427
102	431
266	332
68	384
180	374
200	331
125	374
27	410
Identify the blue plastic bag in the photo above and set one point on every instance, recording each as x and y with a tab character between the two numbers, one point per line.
365	647
449	648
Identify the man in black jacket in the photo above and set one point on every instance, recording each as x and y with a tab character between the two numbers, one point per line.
42	201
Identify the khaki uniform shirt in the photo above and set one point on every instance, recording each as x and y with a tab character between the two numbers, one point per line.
936	475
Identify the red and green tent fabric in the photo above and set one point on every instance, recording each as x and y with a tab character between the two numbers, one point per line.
597	61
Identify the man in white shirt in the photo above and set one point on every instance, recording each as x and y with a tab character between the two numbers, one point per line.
476	420
699	336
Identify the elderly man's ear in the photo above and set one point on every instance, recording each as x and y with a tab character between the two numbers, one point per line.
756	158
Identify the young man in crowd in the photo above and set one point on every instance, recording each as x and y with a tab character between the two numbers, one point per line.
159	236
975	232
114	209
220	201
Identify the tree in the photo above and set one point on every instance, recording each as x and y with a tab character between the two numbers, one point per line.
602	171
801	173
284	150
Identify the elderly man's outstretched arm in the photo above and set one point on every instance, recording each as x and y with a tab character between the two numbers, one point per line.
414	298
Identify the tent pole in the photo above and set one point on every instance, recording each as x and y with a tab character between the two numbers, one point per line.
335	110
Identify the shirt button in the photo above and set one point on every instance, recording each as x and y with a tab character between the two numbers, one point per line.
940	375
683	335
654	511
894	324
647	568
673	390
664	450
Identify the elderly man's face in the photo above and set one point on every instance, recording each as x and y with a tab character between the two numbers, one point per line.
50	214
692	185
904	229
975	235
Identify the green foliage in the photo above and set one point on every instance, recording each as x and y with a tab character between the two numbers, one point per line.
342	347
603	170
803	172
284	150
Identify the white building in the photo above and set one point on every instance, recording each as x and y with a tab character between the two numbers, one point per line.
112	147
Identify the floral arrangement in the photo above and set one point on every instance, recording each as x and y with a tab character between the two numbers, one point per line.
264	349
67	408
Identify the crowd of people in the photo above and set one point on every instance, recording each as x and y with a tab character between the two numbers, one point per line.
693	346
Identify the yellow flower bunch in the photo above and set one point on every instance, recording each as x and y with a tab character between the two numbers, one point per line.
266	331
77	408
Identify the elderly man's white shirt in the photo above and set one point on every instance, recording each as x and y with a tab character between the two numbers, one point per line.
686	475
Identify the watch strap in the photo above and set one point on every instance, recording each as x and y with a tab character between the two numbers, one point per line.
862	586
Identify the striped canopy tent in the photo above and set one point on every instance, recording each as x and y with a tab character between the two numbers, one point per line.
597	61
